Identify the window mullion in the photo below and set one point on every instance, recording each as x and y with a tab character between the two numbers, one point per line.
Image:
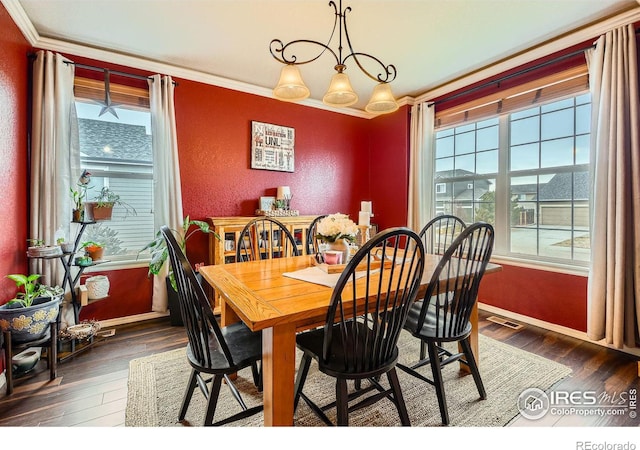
501	245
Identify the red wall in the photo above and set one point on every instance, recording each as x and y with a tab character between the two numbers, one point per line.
13	154
214	132
389	168
548	296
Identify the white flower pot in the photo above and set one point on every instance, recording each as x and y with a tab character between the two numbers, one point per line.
97	287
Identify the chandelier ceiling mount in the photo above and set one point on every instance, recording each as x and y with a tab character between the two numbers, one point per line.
291	87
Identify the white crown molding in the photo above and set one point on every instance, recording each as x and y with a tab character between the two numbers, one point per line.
21	20
19	16
573	38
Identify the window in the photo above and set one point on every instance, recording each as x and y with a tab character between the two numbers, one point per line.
527	173
117	153
466	162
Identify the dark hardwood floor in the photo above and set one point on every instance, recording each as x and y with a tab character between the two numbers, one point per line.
91	388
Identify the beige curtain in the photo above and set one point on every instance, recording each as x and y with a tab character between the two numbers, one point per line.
613	294
54	155
421	145
167	192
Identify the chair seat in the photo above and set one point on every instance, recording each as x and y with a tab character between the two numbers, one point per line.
245	347
340	365
432	328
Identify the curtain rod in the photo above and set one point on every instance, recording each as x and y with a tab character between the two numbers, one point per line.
506	77
520	72
116	72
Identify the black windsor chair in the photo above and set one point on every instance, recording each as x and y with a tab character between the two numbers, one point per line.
437	235
211	350
359	339
312	241
443	315
265	238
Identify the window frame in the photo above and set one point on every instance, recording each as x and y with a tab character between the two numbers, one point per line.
127	97
502	220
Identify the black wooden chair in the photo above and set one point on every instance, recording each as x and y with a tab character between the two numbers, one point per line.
212	350
359	339
312	241
443	315
438	234
265	238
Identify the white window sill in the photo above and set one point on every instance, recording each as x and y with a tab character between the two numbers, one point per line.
118	265
541	265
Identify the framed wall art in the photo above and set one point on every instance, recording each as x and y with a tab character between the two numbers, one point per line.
272	147
266	203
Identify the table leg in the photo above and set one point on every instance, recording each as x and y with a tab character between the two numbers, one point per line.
227	314
227	317
278	372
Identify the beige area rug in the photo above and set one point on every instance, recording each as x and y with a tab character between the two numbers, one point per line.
157	383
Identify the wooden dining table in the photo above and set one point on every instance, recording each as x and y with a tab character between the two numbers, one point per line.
258	293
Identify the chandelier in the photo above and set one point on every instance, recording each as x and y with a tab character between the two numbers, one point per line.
340	93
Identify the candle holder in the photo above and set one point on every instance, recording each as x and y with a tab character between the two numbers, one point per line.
364	235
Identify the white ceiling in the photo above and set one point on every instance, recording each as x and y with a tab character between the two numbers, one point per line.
431	42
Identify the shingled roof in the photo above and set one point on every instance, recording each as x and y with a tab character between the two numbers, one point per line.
559	187
127	142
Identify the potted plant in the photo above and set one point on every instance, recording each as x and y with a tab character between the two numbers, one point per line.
78	195
37	249
101	208
159	255
67	247
34	307
94	250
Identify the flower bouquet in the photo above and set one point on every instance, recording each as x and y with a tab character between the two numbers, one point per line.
335	227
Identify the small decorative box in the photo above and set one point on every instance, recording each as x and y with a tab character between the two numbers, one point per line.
278	212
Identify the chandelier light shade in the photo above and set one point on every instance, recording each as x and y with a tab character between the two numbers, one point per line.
340	94
382	100
290	87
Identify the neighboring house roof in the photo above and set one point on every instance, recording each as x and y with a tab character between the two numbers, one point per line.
559	187
128	142
524	188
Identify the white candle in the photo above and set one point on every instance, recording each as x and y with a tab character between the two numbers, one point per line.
363	218
365	207
284	192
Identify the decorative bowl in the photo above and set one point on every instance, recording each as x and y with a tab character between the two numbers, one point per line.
26	360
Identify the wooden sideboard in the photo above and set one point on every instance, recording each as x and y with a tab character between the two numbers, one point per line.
229	229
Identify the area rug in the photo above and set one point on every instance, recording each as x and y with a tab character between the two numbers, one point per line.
157	383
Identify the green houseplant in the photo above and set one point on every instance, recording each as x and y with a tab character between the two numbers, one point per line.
34	307
101	208
78	195
159	254
158	247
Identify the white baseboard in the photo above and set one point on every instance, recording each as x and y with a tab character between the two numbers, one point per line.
131	319
553	327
